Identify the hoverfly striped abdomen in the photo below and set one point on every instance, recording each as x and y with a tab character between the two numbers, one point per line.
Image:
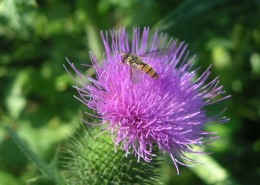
148	70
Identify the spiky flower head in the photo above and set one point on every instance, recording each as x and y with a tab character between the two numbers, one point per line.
168	111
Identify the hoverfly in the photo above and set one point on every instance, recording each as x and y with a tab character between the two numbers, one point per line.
137	64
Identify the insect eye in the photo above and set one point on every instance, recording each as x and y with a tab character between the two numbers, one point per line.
123	56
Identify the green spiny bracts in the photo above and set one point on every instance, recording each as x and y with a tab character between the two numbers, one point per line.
90	160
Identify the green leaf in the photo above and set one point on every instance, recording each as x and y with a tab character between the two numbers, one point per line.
7	178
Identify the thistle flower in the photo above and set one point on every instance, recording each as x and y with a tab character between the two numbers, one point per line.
168	112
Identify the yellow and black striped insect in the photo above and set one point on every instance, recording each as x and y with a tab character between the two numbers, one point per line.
137	64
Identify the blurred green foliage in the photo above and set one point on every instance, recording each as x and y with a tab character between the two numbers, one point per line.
36	94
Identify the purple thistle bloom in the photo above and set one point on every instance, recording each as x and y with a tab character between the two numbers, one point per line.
168	111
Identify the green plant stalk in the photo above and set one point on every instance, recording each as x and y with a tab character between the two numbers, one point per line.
211	171
44	168
92	30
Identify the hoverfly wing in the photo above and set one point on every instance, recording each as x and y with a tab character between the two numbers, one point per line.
155	53
135	74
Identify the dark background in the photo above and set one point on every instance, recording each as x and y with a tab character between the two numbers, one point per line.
36	94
